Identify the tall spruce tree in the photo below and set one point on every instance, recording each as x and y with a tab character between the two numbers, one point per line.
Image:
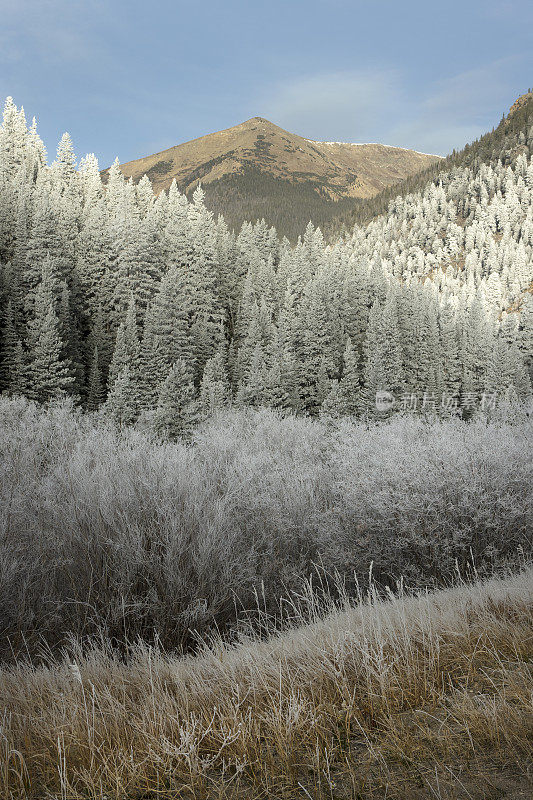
215	392
13	375
96	387
49	373
127	347
122	403
177	405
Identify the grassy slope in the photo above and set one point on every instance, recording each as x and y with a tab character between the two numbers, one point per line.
341	169
409	698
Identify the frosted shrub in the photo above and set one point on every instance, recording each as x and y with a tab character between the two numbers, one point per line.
111	529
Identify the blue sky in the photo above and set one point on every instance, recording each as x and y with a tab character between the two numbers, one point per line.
130	78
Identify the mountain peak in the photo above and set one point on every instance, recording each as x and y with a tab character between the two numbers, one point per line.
258	159
261	122
521	101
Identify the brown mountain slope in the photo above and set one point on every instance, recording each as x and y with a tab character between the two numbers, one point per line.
338	169
520	102
257	169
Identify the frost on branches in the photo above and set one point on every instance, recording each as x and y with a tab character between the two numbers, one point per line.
148	305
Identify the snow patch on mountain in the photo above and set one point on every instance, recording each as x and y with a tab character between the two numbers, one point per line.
378	144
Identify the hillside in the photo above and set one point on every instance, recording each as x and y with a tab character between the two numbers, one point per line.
418	301
258	169
413	698
513	136
521	101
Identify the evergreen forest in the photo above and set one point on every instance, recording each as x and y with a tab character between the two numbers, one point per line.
152	310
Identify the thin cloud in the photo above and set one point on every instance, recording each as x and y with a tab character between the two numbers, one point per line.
458	109
377	106
55	31
346	102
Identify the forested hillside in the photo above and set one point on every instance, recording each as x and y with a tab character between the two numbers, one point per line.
152	309
513	136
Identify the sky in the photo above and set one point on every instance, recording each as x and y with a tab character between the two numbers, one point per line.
132	78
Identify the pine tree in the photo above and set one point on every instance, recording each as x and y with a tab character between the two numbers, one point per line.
93	258
13	141
321	338
96	387
526	333
49	373
215	392
520	375
411	307
177	406
17	383
176	233
65	163
476	347
383	359
333	404
71	337
451	377
284	375
138	268
145	195
13	370
349	386
254	386
429	377
44	247
100	337
259	332
354	306
121	403
206	315
499	375
115	196
127	347
165	334
8	348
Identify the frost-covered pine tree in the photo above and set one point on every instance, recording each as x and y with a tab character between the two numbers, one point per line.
476	346
13	374
166	334
348	391
96	384
138	268
207	317
526	333
177	405
122	403
215	392
383	357
49	373
254	386
451	366
127	346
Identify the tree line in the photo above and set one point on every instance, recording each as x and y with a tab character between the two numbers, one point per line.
150	308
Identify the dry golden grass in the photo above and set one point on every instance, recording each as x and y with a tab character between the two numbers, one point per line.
424	697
